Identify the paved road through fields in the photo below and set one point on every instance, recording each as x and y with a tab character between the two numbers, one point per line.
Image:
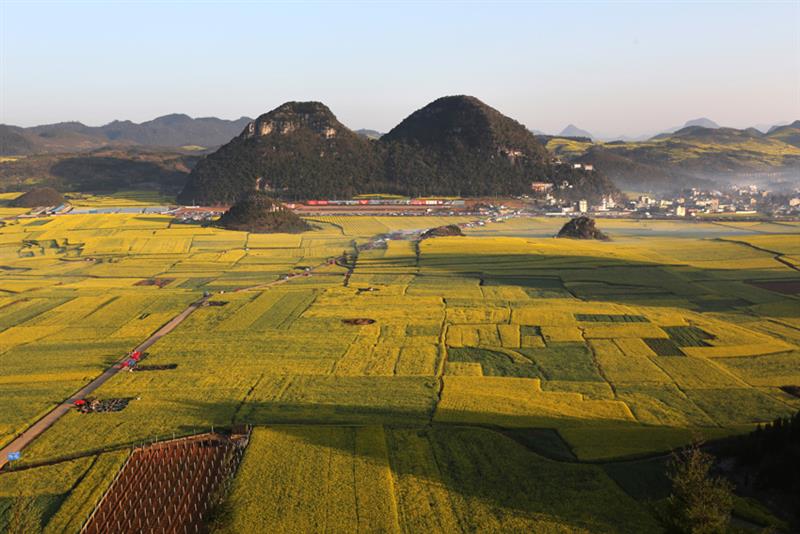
35	430
39	427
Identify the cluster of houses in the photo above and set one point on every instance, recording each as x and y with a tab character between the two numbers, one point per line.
742	201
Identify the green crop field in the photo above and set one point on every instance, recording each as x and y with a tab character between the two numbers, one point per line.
501	377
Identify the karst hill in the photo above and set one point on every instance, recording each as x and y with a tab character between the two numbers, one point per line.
456	145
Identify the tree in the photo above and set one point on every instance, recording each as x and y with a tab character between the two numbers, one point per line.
700	503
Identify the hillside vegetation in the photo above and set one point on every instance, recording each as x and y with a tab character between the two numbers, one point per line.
690	156
42	196
102	170
453	146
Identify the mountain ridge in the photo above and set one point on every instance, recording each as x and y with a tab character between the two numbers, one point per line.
173	130
693	156
573	131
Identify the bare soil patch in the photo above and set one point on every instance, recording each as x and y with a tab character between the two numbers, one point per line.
787	287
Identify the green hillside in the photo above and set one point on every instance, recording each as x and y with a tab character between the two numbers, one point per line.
688	157
455	145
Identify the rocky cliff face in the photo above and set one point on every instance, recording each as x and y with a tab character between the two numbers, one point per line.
293	116
298	150
449	230
582	228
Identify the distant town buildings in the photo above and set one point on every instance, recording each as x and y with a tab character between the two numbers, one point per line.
741	201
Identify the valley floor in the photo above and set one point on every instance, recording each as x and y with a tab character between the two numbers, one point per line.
506	380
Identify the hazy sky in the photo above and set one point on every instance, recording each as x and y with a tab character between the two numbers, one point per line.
609	67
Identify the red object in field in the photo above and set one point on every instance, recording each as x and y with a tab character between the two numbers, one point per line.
79	402
135	355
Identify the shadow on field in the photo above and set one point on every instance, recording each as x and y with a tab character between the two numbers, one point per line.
523	470
108	173
500	472
603	279
499	465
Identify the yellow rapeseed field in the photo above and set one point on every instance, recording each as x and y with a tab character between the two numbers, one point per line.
629	347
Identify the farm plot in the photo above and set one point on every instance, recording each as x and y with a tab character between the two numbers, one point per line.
270	309
494	362
166	487
339	476
518	402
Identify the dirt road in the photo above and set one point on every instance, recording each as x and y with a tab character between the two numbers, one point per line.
35	430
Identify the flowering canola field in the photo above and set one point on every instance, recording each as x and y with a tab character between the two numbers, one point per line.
408	387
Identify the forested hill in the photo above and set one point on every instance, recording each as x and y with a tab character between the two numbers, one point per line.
455	145
458	145
297	150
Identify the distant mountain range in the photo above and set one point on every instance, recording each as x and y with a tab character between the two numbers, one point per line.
174	130
573	131
369	134
456	145
702	122
691	156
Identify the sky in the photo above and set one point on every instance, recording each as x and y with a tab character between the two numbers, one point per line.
612	68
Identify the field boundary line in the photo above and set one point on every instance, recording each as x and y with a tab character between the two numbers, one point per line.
777	256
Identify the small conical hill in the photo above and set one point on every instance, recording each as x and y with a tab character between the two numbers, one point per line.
258	212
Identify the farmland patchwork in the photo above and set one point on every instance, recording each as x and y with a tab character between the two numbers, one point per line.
431	386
